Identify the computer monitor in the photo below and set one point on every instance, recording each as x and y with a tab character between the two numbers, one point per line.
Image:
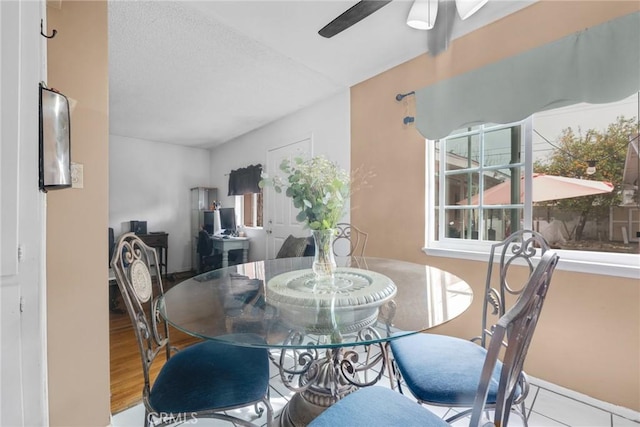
228	220
208	221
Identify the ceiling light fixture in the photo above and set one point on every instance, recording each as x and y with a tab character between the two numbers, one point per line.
422	15
466	8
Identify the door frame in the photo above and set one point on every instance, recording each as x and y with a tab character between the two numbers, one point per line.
23	292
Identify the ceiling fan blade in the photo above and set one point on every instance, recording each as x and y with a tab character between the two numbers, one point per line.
354	14
466	8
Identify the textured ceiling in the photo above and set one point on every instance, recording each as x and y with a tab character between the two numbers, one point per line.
201	73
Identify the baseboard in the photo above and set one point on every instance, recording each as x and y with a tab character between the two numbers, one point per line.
621	411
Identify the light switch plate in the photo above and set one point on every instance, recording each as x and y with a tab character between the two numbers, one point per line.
77	175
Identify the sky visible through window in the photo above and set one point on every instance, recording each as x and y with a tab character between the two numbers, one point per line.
582	116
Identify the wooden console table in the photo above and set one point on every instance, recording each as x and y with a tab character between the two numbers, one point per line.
160	242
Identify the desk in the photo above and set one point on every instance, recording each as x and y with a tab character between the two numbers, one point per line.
321	367
229	244
160	242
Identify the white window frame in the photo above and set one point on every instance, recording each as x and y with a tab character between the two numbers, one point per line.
239	206
604	263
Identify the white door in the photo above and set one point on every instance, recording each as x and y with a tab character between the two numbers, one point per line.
280	220
23	360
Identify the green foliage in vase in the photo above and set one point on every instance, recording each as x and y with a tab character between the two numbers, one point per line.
318	187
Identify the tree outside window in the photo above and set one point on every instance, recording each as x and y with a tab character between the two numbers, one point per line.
594	155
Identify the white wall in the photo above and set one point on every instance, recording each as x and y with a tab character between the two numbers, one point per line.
327	123
151	181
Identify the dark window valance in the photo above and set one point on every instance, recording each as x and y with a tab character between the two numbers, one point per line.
245	180
597	65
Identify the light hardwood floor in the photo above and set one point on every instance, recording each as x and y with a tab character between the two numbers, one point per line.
126	365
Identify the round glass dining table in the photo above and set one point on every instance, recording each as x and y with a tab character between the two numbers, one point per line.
326	340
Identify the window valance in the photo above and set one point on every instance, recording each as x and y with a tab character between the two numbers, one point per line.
245	180
597	65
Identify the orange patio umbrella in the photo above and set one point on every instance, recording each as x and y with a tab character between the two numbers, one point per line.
545	188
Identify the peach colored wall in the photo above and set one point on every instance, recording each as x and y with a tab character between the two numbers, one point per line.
589	336
77	294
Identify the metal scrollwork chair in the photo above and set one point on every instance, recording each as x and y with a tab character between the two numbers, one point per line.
200	381
436	368
496	383
349	240
522	247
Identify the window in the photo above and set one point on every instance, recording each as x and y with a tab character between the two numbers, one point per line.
475	171
250	208
244	185
480	183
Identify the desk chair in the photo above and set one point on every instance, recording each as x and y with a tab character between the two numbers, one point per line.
207	260
200	381
428	362
350	240
495	384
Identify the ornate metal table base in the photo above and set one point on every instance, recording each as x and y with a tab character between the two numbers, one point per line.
321	380
322	393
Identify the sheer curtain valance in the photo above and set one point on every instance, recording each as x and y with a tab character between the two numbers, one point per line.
245	180
597	65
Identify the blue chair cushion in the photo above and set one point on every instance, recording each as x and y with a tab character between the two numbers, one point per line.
377	406
443	370
211	375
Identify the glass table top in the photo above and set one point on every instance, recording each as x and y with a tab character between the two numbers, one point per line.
276	304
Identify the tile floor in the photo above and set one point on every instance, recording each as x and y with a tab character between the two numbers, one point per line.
547	405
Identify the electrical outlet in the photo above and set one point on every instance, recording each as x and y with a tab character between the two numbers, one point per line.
77	175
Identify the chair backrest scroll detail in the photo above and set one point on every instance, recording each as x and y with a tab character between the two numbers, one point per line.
522	247
133	263
516	328
349	240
